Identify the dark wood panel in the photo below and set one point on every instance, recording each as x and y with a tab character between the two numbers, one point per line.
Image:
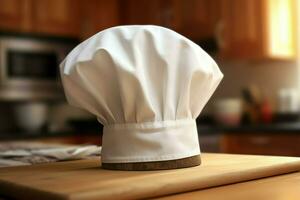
259	143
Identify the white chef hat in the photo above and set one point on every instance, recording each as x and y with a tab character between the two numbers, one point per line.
146	85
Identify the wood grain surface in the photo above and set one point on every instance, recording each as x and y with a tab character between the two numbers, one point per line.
85	179
283	187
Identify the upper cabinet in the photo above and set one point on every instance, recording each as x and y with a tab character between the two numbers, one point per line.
199	18
56	17
195	19
141	12
97	15
257	29
243	29
15	15
155	12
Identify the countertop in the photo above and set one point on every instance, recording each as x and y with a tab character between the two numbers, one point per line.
287	127
203	129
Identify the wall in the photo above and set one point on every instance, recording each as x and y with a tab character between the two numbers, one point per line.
269	77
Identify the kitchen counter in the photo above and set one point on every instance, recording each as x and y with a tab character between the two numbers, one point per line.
288	127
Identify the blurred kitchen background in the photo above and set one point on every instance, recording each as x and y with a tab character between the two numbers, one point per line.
255	110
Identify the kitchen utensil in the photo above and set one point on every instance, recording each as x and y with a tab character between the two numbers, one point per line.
31	116
228	111
288	100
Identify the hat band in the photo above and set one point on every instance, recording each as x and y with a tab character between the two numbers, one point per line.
150	141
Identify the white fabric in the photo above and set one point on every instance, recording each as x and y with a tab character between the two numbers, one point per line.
146	85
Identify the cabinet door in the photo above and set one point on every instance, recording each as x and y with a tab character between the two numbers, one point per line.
98	15
140	12
258	29
155	12
241	26
15	15
57	17
199	18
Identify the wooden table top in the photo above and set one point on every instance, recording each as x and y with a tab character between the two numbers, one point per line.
85	179
280	187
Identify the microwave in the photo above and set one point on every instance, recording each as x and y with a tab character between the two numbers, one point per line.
29	66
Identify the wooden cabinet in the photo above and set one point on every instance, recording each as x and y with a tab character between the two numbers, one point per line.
195	19
284	144
55	17
141	12
199	18
98	15
257	29
15	15
156	12
245	29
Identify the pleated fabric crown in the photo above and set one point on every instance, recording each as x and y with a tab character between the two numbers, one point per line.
146	85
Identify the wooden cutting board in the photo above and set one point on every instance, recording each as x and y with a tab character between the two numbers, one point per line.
85	179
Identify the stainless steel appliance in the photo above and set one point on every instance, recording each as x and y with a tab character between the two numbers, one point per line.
29	66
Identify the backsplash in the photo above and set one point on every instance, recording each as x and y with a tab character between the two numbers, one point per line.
269	77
